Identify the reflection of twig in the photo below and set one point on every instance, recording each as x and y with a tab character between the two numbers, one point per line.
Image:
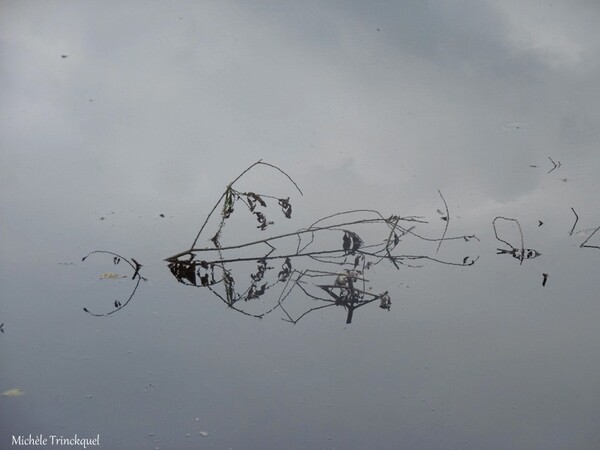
576	220
447	220
230	304
342	292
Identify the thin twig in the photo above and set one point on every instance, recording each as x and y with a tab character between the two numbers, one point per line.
136	274
576	220
502	240
556	166
447	222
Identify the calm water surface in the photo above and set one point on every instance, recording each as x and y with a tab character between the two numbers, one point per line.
366	106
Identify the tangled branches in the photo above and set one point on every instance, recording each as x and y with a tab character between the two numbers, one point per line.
331	240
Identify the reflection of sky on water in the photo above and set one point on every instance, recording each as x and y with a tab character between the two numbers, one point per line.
157	107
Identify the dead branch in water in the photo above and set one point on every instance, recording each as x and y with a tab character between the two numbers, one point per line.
521	253
574	224
350	252
136	266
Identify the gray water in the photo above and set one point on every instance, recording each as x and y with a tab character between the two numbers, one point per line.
155	108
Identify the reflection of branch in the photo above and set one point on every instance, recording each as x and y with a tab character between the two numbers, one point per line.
576	220
342	292
118	304
230	305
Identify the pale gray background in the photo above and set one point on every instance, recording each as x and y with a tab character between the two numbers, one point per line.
365	104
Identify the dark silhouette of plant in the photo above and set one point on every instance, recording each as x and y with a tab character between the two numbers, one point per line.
135	266
208	267
520	253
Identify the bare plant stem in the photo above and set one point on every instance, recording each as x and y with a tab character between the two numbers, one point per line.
447	221
576	220
136	274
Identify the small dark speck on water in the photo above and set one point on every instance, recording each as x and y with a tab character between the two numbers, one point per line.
545	280
161	215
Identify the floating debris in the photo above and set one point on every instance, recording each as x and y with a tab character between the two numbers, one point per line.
111	276
386	302
2	327
513	126
545	280
540	223
520	254
203	433
16	392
